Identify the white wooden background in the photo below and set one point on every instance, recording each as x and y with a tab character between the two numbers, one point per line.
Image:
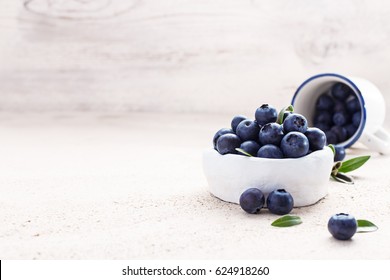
182	55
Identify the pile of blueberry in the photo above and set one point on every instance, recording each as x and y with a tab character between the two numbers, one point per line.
265	137
338	113
279	201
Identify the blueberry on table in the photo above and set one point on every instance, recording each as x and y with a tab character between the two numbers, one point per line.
219	133
227	144
294	145
250	146
323	117
295	122
340	118
248	130
353	105
252	200
266	114
236	121
271	133
316	137
342	226
324	102
270	151
356	119
339	153
341	91
341	133
280	202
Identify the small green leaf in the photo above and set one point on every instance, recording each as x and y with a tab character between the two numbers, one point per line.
287	221
340	177
243	152
352	164
289	108
365	226
333	149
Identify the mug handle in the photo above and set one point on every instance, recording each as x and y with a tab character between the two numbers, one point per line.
378	141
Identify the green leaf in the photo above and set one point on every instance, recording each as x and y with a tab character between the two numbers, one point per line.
333	149
287	221
243	152
352	164
289	108
340	177
365	226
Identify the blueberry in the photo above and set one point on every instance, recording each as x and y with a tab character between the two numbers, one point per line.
323	126
248	130
323	117
251	147
316	137
331	137
270	151
271	133
294	144
280	202
295	122
356	119
219	133
339	107
227	144
342	226
340	118
353	105
341	133
252	200
324	102
341	91
351	129
236	121
339	153
266	114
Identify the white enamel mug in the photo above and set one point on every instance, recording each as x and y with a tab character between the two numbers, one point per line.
370	131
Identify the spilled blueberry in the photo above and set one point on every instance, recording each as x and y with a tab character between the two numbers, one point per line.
252	200
280	202
342	226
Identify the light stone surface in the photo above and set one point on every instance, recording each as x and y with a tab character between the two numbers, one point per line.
132	187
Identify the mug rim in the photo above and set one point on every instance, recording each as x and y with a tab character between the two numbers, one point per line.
348	143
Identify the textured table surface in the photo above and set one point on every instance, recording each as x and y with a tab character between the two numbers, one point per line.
132	186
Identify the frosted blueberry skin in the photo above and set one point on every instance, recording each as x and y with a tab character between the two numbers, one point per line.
236	121
342	226
280	202
341	91
316	137
219	133
339	153
266	114
295	122
252	200
271	133
248	130
324	102
294	145
227	144
251	147
270	151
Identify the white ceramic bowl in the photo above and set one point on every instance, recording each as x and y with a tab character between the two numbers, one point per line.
306	178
